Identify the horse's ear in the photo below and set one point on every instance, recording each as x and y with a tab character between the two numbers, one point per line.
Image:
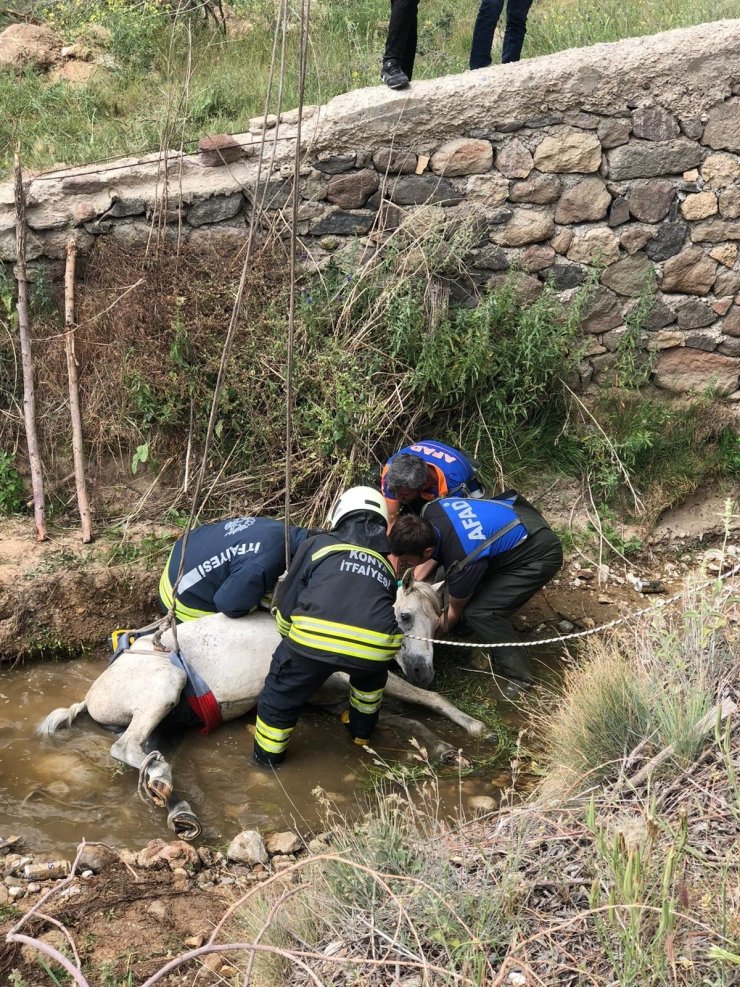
408	579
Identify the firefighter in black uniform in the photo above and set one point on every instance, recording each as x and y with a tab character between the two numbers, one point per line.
230	567
335	612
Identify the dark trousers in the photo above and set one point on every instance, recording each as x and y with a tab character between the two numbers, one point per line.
512	579
485	25
289	685
401	41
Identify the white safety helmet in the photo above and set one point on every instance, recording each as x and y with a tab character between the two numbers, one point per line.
358	499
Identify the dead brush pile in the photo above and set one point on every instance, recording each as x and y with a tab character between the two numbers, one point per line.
380	357
625	875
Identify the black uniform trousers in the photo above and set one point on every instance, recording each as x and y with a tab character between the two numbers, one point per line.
512	578
401	40
292	681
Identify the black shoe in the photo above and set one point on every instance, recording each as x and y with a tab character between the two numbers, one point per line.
266	760
393	75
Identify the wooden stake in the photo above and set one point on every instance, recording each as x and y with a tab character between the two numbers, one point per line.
29	398
74	393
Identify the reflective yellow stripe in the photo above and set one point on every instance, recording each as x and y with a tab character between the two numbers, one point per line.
272	739
283	625
337	647
183	612
367	697
328	549
335	629
341	639
365	702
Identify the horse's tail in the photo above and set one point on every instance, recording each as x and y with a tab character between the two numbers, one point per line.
61	719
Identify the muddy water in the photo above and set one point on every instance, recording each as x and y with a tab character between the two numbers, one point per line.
55	791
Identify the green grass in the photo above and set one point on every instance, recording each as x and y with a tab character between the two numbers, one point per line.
129	108
641	691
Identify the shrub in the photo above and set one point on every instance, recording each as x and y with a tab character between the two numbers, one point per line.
642	692
12	488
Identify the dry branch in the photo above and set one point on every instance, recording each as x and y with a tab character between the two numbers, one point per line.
721	711
29	397
74	393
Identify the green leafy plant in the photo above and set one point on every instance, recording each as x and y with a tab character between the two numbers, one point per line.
12	488
140	456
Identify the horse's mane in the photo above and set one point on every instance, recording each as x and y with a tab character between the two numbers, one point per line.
430	592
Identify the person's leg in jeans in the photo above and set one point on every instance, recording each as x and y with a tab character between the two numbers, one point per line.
485	25
401	37
516	28
502	591
407	62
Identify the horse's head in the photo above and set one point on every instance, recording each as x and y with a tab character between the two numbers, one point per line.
417	611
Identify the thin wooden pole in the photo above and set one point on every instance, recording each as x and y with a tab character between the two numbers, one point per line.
74	394
29	397
305	12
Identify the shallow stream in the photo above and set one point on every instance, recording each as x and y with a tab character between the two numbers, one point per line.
55	791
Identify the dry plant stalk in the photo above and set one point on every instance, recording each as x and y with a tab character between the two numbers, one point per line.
29	397
74	394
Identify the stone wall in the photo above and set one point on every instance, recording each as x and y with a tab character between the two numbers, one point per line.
619	162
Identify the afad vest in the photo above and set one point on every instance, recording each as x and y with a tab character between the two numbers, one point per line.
453	469
477	521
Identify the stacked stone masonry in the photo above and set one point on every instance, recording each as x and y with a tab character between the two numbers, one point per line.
637	189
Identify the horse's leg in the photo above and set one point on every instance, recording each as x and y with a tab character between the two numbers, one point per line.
397	688
130	748
155	773
182	820
438	749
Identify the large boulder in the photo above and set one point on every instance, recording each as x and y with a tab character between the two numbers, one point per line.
525	226
33	46
587	200
691	272
567	150
683	370
463	156
722	131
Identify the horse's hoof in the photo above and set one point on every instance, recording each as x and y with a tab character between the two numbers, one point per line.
185	825
159	791
455	759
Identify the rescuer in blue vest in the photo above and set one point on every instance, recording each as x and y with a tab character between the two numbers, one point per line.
496	555
424	471
230	567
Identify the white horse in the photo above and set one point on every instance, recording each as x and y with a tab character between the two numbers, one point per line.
142	686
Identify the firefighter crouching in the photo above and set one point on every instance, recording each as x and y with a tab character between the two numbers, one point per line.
230	567
335	612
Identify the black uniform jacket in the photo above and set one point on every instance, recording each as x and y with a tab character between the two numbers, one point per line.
336	603
229	566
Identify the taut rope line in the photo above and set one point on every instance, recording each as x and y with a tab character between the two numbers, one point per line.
661	604
236	311
305	10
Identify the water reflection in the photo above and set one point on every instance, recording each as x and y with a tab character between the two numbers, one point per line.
54	791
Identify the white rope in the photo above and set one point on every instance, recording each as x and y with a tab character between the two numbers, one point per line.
592	630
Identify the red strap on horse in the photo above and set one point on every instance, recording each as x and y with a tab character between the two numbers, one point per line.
207	709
